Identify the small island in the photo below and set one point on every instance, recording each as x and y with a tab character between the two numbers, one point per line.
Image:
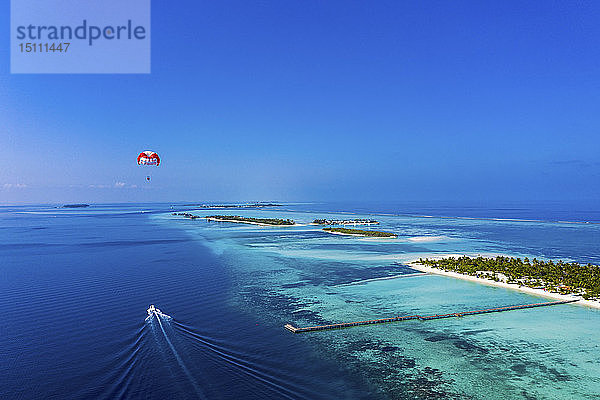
557	278
345	222
187	215
246	205
360	232
76	205
253	221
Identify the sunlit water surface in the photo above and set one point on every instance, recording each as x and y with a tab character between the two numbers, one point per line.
75	286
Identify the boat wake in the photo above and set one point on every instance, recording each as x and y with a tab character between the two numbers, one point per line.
118	380
196	362
160	324
243	366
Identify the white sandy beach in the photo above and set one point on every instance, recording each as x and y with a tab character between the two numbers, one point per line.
426	239
540	292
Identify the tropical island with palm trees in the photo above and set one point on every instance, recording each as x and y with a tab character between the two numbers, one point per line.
359	221
360	232
555	278
253	221
242	205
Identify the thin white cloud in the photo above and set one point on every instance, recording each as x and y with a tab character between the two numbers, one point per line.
8	186
117	185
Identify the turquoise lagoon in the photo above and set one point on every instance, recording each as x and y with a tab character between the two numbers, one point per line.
303	276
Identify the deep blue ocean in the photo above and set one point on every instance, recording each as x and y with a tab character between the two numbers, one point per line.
75	285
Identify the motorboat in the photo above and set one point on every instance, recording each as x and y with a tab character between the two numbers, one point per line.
153	311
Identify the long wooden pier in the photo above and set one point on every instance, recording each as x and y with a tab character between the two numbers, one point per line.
294	329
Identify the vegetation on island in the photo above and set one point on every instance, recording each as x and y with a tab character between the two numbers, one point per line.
360	232
187	215
557	277
344	221
264	221
245	205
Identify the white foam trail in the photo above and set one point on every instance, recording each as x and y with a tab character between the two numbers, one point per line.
164	316
425	239
178	357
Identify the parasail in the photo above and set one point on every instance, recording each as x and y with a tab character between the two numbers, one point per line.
148	158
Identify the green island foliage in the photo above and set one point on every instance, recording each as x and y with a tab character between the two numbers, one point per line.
246	205
360	232
559	277
343	221
266	221
187	215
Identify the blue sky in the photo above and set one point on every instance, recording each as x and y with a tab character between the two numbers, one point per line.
321	100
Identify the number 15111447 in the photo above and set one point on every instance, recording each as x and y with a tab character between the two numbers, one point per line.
44	47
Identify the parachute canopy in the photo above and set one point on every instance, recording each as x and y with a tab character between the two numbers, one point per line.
148	158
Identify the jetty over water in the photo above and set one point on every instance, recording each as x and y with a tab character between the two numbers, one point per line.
294	329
